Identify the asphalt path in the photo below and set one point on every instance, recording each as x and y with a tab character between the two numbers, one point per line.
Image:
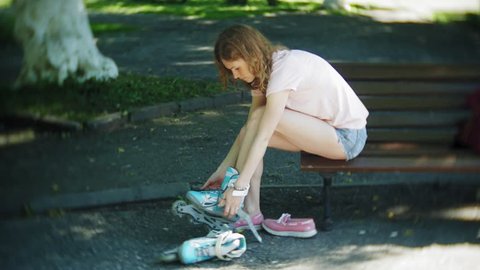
381	225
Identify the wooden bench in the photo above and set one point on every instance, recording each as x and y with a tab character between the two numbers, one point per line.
416	112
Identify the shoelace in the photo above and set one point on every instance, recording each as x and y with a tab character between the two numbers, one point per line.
284	218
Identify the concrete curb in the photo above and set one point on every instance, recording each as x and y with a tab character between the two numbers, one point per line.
115	120
107	197
106	122
150	112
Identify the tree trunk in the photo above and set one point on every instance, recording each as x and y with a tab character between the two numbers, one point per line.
58	43
337	5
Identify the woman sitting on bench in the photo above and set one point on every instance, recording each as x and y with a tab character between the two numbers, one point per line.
299	103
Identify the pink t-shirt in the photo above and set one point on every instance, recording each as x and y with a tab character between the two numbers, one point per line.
317	89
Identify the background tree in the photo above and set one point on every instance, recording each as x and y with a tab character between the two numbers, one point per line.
244	2
337	5
58	43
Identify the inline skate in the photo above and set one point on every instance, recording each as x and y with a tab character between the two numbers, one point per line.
202	207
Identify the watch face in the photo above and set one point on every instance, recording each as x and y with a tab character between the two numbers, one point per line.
239	193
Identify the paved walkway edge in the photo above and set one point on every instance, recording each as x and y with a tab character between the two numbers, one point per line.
116	120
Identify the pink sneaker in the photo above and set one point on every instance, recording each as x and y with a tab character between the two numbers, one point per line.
242	224
286	226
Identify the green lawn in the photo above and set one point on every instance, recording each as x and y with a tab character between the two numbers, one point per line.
204	9
82	102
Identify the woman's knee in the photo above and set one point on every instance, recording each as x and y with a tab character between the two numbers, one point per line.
284	124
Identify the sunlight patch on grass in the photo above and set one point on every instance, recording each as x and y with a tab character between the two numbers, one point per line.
204	9
103	28
5	3
450	17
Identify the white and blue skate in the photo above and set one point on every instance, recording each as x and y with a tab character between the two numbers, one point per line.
224	246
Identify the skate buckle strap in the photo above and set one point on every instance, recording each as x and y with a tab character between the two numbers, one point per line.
245	216
236	249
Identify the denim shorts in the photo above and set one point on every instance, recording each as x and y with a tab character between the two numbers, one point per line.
352	140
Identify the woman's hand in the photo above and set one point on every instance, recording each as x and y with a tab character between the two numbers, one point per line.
232	203
215	180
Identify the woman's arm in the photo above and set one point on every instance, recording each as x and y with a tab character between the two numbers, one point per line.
254	148
232	156
274	109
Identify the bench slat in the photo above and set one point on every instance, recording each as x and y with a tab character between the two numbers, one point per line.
416	118
420	163
413	103
416	88
379	71
430	135
404	149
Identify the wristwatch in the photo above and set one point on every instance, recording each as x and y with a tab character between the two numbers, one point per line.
239	192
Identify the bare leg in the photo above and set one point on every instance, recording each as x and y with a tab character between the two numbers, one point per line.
309	134
252	201
295	132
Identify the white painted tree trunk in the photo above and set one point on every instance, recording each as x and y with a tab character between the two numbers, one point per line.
337	5
58	43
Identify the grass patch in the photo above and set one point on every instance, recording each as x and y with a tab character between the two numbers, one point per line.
7	22
202	9
81	102
105	28
472	19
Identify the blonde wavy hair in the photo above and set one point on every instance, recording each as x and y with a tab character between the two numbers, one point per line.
245	42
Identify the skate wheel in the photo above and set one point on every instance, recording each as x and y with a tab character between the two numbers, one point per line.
176	206
168	256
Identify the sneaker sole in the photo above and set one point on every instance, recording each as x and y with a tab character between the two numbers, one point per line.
205	211
242	228
307	234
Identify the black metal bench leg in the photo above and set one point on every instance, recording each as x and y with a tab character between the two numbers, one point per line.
327	210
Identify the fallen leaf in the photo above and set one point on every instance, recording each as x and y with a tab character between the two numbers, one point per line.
408	233
55	188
